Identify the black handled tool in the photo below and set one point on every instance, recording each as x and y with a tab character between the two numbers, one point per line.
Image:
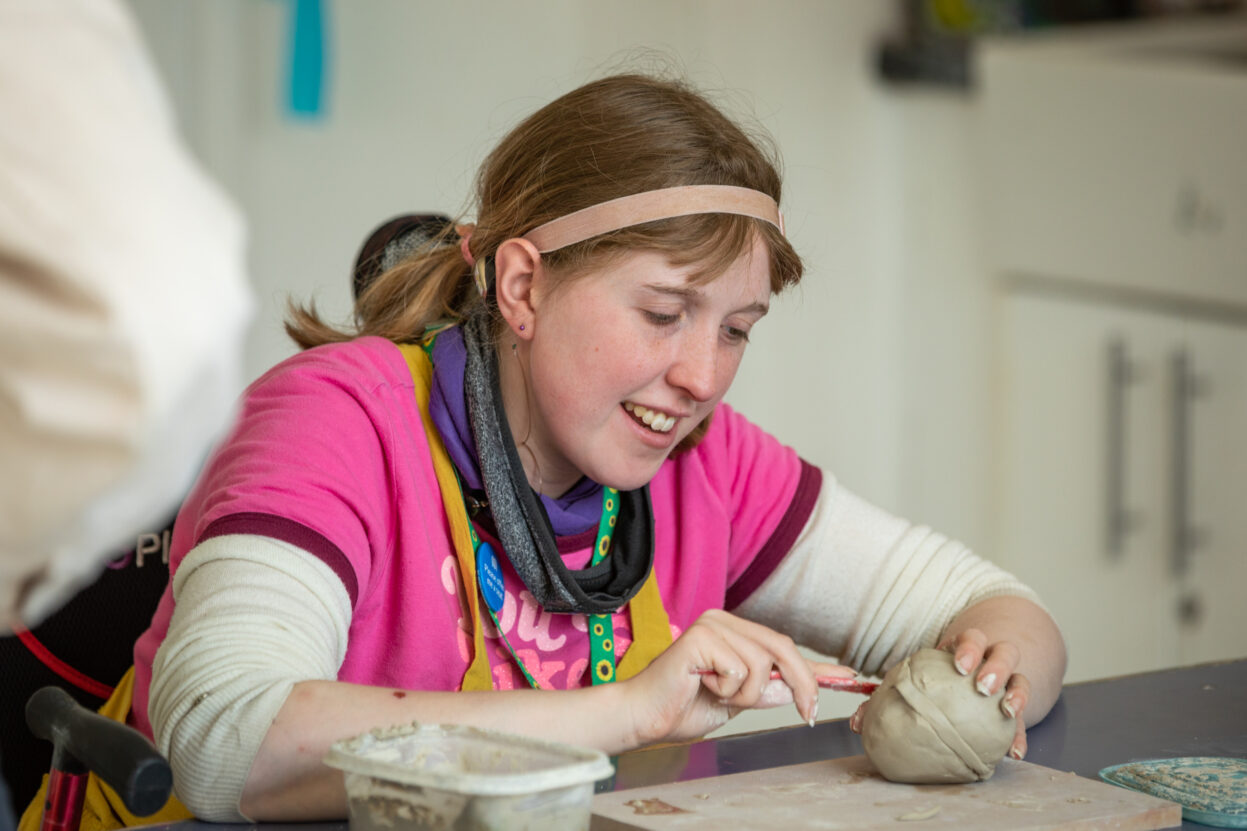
82	742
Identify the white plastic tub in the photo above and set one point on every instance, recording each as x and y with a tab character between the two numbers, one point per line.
453	777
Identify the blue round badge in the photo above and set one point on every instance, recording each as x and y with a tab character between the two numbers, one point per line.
489	575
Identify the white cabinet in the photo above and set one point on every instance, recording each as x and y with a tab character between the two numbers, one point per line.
1121	161
1122	472
1115	191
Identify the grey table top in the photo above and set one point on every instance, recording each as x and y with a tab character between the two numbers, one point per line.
1192	711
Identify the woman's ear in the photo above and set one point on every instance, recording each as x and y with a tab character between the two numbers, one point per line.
516	265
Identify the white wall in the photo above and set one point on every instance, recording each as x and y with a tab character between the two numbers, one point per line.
419	92
875	195
943	315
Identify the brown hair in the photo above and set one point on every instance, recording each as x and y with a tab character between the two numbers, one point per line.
613	137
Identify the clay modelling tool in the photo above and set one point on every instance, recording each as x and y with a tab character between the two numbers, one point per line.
827	682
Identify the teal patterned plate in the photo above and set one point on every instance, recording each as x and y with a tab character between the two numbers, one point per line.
1212	790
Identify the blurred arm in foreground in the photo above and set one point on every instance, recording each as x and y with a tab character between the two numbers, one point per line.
123	300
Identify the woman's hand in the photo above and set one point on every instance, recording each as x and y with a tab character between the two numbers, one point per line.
719	666
993	665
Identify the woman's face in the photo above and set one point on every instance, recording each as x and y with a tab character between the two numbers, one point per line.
629	343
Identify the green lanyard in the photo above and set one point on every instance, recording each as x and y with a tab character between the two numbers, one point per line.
493	591
601	627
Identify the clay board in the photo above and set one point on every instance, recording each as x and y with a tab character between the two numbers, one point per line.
848	793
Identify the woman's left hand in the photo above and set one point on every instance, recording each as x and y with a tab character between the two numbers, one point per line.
993	665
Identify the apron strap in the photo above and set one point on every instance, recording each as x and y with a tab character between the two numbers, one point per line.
478	676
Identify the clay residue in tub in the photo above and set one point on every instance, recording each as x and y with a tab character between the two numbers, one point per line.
649	807
438	811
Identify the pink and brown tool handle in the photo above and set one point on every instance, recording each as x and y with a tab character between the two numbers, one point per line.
827	682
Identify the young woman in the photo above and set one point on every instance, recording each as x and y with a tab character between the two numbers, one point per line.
512	497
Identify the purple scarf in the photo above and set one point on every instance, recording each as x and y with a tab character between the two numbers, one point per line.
572	513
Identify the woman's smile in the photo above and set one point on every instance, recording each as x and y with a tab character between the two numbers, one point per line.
653	420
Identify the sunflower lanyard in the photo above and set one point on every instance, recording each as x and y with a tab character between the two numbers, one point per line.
601	627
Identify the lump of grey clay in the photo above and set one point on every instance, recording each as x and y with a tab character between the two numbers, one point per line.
928	724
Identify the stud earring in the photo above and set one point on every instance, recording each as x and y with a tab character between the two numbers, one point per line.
521	327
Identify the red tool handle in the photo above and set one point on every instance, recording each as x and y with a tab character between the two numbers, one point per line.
62	809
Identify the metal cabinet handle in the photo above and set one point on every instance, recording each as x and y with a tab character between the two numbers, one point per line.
1121	521
1185	538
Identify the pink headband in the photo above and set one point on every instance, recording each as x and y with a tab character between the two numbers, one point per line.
651	205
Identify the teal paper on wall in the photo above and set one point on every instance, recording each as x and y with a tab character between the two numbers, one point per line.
308	59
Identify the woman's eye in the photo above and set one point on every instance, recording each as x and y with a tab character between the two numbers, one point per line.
735	335
661	319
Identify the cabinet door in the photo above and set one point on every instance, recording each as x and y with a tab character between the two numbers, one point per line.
1213	568
1081	481
1120	173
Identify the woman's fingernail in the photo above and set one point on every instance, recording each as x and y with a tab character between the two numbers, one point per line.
963	666
1016	753
984	686
813	712
1007	706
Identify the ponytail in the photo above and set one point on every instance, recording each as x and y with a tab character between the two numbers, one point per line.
431	287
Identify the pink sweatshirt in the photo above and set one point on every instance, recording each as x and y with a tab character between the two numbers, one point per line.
329	454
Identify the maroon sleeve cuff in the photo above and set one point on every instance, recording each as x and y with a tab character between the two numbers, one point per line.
777	547
287	530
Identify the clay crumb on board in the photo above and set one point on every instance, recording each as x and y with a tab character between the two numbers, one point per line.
649	807
795	787
1078	799
1021	803
914	816
701	796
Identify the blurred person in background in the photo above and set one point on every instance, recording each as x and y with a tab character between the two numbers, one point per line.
123	302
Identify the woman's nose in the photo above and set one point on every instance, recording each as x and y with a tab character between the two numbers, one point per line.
696	366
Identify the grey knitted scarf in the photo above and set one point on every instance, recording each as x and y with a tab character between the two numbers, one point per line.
519	518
